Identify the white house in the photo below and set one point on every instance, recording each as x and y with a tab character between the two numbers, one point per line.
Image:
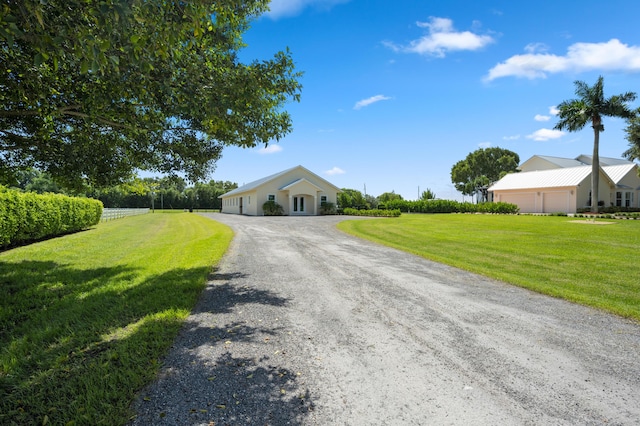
298	190
552	184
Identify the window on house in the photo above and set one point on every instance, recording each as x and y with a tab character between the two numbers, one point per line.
271	197
323	199
624	199
249	199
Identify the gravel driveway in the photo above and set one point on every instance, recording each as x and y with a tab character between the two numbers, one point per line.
303	324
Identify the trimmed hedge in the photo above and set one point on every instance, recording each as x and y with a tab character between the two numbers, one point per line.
610	209
375	212
449	206
27	216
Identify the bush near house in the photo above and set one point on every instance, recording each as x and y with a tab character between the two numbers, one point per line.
448	206
27	216
327	207
271	208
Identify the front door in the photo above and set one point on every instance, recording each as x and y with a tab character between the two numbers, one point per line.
298	204
241	204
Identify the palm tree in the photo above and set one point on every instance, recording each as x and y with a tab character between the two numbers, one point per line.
591	106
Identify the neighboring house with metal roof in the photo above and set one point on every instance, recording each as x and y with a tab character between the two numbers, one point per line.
298	190
553	184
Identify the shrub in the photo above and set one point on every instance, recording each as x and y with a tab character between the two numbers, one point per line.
374	212
327	208
271	208
449	206
27	216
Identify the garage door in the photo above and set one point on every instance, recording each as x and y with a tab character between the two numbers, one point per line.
526	202
556	202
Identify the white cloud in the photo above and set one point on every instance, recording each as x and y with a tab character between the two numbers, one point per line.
553	110
545	134
442	38
539	117
335	171
271	149
610	56
536	48
484	144
511	138
372	100
286	8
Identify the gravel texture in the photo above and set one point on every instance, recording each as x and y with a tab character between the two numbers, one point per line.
303	325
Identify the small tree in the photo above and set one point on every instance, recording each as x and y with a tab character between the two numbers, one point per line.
385	197
427	195
351	198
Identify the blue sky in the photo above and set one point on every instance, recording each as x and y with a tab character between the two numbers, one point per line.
396	92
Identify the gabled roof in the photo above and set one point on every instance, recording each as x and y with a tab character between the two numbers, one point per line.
618	172
256	183
569	172
297	181
552	178
604	161
558	161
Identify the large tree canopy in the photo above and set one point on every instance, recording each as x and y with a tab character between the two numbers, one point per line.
483	167
92	90
589	107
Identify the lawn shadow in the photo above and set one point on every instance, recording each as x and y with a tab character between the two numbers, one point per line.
222	371
228	290
64	329
61	325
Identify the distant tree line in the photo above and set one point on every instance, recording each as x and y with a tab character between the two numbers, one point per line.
354	199
158	193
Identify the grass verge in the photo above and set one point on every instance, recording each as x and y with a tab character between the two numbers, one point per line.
574	260
84	319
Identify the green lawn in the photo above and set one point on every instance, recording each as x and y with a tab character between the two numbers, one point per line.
84	319
596	265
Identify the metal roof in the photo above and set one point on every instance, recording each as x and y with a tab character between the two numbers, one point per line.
552	178
256	183
560	161
618	172
604	161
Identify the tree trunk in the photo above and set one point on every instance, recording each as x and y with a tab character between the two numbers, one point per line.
595	166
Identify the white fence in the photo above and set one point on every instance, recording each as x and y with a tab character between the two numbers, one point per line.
110	214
